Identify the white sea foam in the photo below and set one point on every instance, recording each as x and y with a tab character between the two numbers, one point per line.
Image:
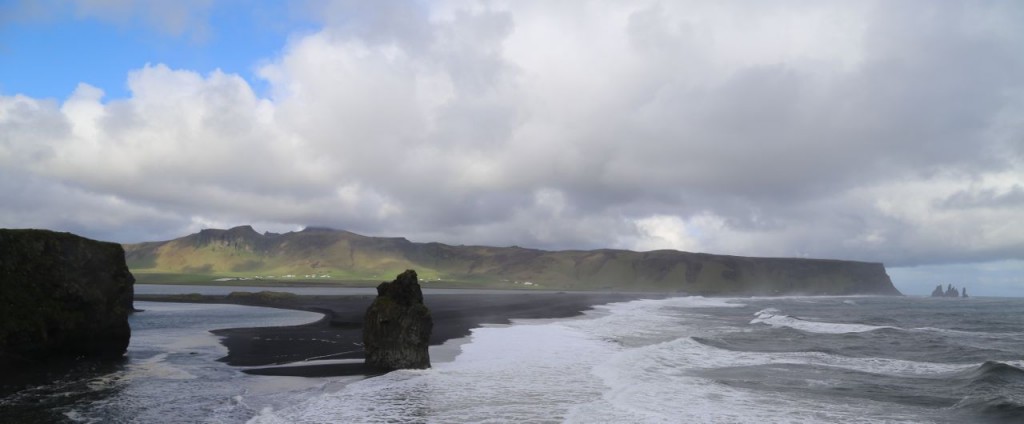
521	373
157	366
643	322
986	334
661	383
624	362
535	371
171	371
775	318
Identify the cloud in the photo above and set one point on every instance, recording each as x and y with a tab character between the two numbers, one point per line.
1011	197
176	18
884	131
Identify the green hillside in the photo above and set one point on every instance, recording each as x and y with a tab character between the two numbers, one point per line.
326	256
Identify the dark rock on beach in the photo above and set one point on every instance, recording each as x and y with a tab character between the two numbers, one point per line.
397	326
61	296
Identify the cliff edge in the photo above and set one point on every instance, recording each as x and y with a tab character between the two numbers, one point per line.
62	295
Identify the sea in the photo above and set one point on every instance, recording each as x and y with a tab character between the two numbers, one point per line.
673	360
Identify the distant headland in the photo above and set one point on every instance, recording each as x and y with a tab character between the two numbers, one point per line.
320	255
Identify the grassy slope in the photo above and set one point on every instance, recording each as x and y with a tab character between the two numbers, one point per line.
352	259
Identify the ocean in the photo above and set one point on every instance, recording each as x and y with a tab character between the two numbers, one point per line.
675	360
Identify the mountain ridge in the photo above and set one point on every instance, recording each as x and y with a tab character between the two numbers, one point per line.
330	254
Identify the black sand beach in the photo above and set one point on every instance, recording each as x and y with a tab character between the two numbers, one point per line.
338	336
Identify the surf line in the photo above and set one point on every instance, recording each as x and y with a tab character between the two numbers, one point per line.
330	355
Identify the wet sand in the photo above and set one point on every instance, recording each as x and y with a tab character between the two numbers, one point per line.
338	335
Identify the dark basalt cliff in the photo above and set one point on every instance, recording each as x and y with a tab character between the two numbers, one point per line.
61	295
787	276
397	326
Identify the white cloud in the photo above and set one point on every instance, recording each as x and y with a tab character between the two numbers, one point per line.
668	232
177	18
861	130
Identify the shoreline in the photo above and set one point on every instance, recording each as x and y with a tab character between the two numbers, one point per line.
280	351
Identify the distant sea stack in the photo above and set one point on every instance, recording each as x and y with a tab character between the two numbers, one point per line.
323	253
397	326
62	295
949	292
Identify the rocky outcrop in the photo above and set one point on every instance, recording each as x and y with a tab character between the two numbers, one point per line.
949	292
397	325
62	295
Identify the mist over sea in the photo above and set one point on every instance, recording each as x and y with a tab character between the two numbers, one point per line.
687	359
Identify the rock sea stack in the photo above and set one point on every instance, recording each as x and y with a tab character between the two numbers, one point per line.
397	326
62	295
949	292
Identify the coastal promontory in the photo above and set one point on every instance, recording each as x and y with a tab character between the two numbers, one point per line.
322	255
61	295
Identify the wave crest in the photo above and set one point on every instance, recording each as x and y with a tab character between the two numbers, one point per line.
775	318
992	391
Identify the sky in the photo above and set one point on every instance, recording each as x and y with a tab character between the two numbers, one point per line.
887	131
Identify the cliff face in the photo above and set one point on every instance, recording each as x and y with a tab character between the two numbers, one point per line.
720	275
397	326
62	295
348	256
